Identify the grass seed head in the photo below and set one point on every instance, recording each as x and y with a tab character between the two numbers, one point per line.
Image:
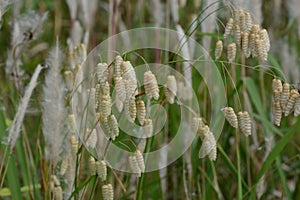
228	28
107	192
231	52
101	169
219	49
141	111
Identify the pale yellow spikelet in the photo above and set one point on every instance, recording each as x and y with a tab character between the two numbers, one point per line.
261	50
248	20
277	113
141	111
212	155
72	123
150	85
237	34
245	44
92	166
252	45
285	95
265	37
255	29
69	79
172	84
132	108
113	123
74	145
276	89
57	193
209	147
244	123
294	96
134	166
92	138
297	108
203	131
64	165
106	89
219	49
128	71
169	95
131	87
276	85
140	160
106	127
237	14
230	116
118	62
243	25
231	52
120	88
148	127
102	72
105	105
228	28
101	169
197	123
107	192
97	96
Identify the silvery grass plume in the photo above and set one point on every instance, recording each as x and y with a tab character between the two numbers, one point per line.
3	8
54	110
26	28
14	130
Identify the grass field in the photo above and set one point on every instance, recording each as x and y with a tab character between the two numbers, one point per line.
193	100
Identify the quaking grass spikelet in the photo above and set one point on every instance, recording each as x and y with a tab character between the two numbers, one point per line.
118	62
74	145
230	116
231	52
228	28
297	108
150	84
237	35
107	192
92	166
133	163
219	49
245	44
113	123
244	123
148	127
120	88
294	96
141	111
101	169
285	95
277	112
276	89
140	160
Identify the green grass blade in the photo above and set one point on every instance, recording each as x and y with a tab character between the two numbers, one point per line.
12	171
277	150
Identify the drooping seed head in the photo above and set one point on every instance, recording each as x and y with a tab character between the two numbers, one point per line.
219	49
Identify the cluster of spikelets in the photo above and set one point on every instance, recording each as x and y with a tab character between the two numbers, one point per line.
136	163
242	120
209	144
55	188
252	40
285	100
